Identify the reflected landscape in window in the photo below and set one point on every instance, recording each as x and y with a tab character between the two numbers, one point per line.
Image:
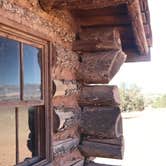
7	136
32	73
9	70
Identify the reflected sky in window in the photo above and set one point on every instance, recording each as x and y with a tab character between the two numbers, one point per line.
9	62
9	70
32	73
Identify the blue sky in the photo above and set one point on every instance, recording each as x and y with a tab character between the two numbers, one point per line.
150	76
9	63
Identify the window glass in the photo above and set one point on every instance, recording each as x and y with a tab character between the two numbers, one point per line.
7	136
30	130
32	73
9	69
24	133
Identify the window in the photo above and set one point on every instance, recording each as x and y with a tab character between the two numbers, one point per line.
24	99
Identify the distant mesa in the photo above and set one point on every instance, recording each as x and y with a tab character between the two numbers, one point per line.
11	92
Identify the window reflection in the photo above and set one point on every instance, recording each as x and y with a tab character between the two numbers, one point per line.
7	136
9	69
24	132
32	73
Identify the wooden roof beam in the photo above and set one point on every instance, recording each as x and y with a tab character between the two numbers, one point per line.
138	27
104	20
48	5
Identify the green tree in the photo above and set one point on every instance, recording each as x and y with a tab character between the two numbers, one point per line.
131	98
160	102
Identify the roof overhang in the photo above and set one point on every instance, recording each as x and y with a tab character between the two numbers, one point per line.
131	17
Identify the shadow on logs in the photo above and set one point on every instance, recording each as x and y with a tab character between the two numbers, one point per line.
102	122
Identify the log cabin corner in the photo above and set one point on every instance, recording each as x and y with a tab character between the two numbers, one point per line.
56	60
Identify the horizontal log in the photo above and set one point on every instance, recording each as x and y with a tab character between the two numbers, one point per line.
79	163
105	20
91	163
100	34
67	117
99	95
68	159
62	147
65	88
65	134
116	141
133	56
77	4
91	149
94	45
100	67
107	11
98	39
102	122
137	23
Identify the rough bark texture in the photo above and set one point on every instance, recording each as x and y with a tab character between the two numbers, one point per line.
100	67
104	122
91	149
87	39
65	146
99	95
77	4
98	39
69	158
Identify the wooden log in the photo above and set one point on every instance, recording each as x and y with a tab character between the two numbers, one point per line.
94	45
77	4
106	20
107	11
100	34
137	23
98	39
99	95
61	147
91	163
67	117
68	159
100	67
102	122
133	56
65	87
91	149
79	163
116	141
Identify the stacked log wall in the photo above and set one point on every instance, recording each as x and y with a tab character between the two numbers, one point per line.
87	118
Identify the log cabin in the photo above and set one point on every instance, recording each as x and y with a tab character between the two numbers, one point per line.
56	60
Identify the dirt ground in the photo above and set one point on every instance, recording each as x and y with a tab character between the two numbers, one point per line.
145	139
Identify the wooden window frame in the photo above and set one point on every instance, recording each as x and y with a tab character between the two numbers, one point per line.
23	34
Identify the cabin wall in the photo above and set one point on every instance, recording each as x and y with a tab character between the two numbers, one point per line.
77	107
58	28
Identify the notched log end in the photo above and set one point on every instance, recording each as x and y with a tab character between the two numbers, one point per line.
117	62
